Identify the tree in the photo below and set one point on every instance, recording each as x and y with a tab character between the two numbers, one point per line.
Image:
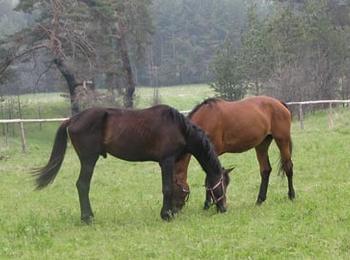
256	51
298	51
74	34
287	42
240	65
10	21
55	34
125	28
328	43
188	34
229	74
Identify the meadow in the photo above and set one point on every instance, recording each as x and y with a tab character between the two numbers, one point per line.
126	198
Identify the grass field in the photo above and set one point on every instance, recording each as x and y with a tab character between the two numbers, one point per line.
126	198
56	105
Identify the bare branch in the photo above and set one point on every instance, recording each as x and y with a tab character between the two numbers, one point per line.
14	56
43	73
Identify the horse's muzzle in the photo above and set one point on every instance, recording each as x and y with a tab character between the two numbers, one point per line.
221	208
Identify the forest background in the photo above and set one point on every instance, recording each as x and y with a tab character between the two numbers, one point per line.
293	50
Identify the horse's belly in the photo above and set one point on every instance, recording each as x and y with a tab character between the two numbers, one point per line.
131	155
238	148
240	144
131	149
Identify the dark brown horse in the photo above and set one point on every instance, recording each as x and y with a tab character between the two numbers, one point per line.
159	134
236	127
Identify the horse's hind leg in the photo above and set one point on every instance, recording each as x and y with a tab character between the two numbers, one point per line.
83	186
265	167
285	147
167	167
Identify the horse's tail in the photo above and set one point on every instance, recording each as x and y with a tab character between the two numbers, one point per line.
47	174
286	165
286	106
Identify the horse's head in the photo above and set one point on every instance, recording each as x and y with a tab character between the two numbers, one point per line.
216	191
181	193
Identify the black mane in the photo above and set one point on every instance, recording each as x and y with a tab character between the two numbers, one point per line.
207	101
198	143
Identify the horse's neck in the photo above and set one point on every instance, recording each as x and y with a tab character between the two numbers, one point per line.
201	148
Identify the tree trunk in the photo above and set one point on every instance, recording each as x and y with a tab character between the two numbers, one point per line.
71	82
123	52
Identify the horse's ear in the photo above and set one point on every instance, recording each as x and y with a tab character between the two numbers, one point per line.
229	170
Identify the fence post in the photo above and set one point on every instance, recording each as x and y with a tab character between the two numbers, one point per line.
301	116
6	133
39	112
23	138
330	116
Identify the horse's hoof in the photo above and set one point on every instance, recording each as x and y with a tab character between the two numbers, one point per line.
206	205
221	209
291	195
259	201
87	219
166	215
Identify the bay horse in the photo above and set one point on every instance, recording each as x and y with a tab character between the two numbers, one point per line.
235	127
159	133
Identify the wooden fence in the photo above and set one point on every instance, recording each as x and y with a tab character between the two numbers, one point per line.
300	104
21	126
330	112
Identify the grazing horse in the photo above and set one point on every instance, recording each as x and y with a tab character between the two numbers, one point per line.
159	134
236	127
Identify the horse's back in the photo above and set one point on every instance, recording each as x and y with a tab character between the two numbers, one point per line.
143	135
86	132
257	110
134	135
237	126
86	119
262	114
277	114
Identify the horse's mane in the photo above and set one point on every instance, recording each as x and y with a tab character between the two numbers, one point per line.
284	104
207	101
198	143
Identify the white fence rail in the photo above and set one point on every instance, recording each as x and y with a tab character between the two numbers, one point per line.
312	102
21	126
9	121
318	102
300	104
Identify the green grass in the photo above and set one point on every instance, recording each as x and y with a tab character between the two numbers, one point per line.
56	105
126	198
181	97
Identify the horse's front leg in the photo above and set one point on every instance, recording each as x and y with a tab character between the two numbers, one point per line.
208	201
167	166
